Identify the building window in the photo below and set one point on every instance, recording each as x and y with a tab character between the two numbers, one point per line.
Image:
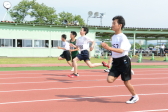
41	43
7	43
24	43
56	43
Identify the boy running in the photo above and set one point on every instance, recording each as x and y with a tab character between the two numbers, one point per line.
121	62
82	44
74	51
66	53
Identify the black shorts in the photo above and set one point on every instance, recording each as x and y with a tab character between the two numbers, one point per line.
121	66
66	55
84	55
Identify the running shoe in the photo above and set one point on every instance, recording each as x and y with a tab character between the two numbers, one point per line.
73	75
105	64
133	99
72	69
107	70
132	72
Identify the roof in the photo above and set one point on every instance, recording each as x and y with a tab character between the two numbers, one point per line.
106	32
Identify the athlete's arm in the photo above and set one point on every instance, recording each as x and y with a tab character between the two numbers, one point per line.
92	46
61	48
105	46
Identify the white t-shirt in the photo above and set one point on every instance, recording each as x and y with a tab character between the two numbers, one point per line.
120	41
162	46
83	43
66	45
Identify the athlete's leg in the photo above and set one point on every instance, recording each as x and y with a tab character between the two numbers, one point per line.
110	62
92	65
111	79
130	87
70	64
60	58
75	60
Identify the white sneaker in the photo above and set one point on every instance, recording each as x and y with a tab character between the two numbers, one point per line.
106	70
133	99
132	72
72	69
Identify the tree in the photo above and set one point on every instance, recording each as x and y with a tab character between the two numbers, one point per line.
43	13
20	11
70	18
65	16
150	45
137	46
79	19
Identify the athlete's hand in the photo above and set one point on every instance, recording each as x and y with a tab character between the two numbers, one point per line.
71	45
91	48
58	47
105	45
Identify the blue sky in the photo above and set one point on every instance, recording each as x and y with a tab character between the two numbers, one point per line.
137	13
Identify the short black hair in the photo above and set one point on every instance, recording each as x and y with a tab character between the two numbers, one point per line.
121	20
74	33
86	30
64	36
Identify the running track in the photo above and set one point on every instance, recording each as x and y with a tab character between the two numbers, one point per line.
53	91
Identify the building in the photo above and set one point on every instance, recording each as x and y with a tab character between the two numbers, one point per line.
42	40
32	40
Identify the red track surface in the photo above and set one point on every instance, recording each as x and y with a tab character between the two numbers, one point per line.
53	91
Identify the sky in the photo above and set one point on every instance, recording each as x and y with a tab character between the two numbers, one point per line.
137	13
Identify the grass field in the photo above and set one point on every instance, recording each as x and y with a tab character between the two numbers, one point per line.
69	68
53	60
157	58
40	60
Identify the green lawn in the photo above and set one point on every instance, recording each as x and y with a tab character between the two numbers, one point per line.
54	60
157	58
69	68
40	60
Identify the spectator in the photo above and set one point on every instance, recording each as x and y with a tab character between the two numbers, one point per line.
154	50
162	47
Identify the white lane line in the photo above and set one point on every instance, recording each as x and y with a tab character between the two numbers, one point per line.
55	75
157	110
68	81
64	80
77	98
80	72
27	90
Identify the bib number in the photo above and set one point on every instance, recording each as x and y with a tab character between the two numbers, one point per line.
80	46
115	45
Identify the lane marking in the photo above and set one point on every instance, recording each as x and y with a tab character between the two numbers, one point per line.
27	90
150	110
54	76
66	81
77	98
91	71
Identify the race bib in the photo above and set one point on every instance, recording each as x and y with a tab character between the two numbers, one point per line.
80	46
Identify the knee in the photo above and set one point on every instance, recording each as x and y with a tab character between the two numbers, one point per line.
74	60
126	82
110	80
90	66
